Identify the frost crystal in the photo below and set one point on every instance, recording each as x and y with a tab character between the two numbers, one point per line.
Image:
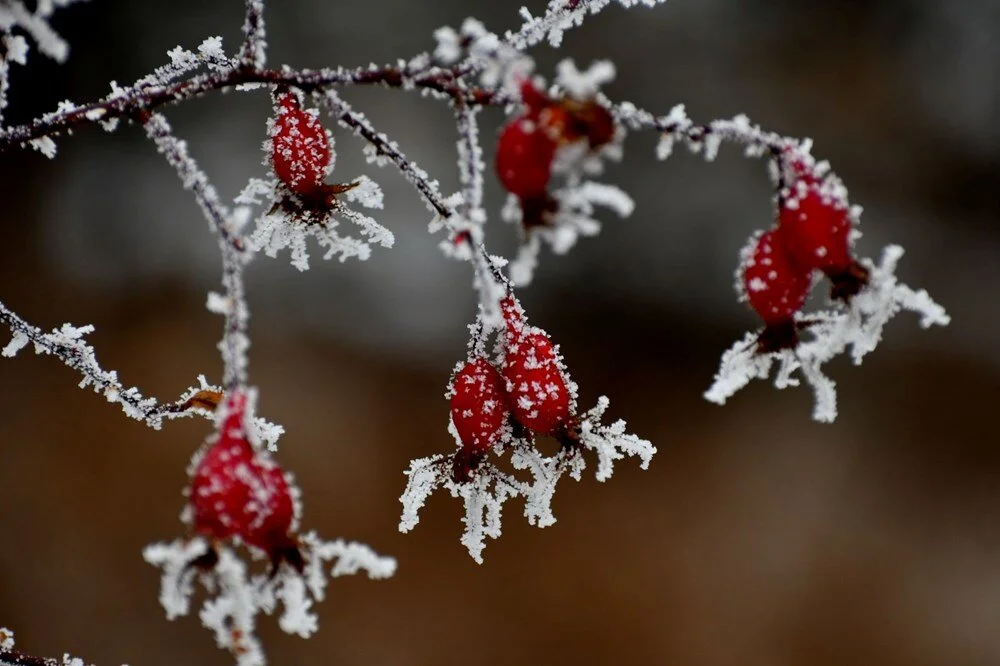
485	495
857	326
6	639
235	596
586	84
17	342
290	224
572	218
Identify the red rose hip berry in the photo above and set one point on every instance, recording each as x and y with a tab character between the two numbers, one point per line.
237	492
524	158
536	389
816	227
300	148
776	288
478	411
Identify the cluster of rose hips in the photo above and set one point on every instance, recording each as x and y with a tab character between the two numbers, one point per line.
527	392
528	143
813	233
238	491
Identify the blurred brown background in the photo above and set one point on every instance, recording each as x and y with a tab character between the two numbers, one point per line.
756	538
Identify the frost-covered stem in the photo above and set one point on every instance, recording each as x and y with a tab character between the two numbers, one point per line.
129	102
13	658
253	55
677	125
234	255
470	158
387	148
67	346
4	81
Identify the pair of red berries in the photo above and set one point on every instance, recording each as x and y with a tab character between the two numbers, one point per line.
529	387
237	492
812	234
528	144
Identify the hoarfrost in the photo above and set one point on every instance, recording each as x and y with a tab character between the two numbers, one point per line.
235	596
572	218
45	145
584	84
485	494
856	327
290	224
17	342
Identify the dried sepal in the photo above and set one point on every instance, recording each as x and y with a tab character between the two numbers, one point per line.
291	221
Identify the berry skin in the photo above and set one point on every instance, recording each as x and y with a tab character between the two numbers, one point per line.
478	409
536	390
816	227
236	492
776	286
300	148
524	158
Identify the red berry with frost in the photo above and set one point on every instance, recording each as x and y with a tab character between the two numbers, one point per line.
237	492
300	148
513	315
478	409
816	227
775	285
524	158
536	389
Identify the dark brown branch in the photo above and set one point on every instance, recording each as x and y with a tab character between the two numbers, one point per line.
13	658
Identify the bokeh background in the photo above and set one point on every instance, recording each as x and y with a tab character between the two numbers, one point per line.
756	538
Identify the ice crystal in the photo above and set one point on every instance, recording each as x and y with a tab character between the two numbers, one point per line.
13	13
584	84
236	596
572	218
290	223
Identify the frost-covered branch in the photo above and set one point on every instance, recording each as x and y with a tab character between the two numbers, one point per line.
382	150
560	16
676	126
233	304
128	102
14	658
67	345
11	657
253	53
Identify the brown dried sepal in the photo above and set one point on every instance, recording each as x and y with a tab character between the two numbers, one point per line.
848	283
315	206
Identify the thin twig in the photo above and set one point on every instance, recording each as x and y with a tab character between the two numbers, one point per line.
129	102
253	54
235	339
